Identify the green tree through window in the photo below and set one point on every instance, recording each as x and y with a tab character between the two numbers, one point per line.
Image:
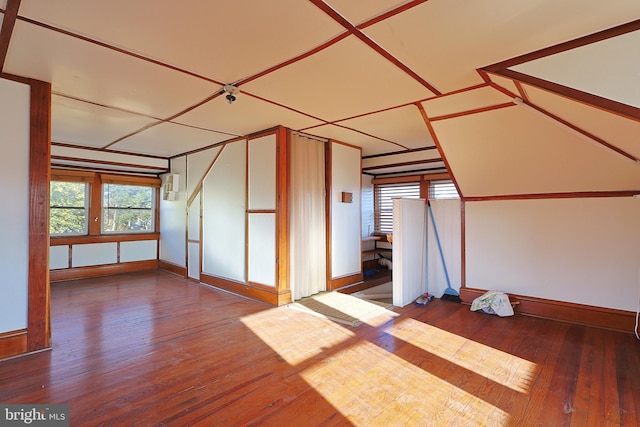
68	208
127	208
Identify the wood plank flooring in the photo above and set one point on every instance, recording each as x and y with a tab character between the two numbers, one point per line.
155	349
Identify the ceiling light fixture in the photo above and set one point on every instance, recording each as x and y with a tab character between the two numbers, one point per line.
231	92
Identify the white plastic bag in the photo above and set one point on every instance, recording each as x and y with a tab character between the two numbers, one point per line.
493	302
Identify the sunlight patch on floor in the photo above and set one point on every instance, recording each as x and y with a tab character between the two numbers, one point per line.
503	368
305	337
370	386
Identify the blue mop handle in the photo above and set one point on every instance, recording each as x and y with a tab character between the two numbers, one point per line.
444	264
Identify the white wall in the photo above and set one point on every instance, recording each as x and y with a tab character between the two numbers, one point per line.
94	254
584	251
14	214
261	227
346	231
197	166
139	250
223	220
58	257
173	218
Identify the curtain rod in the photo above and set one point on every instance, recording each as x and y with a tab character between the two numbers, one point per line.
306	135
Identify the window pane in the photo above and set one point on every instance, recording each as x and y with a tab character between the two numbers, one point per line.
443	190
384	195
67	208
127	208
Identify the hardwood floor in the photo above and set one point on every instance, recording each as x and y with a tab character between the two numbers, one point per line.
155	349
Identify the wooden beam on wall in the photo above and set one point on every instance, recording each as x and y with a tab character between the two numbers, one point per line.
39	317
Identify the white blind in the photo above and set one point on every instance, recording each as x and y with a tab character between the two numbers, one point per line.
443	190
384	194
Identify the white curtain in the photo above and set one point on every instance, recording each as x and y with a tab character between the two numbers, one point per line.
307	226
447	219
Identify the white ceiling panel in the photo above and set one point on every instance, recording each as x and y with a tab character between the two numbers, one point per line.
408	130
117	67
82	123
222	40
435	167
465	101
401	158
99	166
615	130
445	41
245	116
88	71
331	84
369	145
517	152
170	139
106	160
609	68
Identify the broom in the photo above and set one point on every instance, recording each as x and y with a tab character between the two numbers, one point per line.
450	294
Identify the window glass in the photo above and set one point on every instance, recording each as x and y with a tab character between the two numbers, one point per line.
443	190
127	208
68	208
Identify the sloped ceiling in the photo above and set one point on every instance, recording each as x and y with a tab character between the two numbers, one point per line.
514	98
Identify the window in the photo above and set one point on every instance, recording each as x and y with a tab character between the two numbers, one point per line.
127	208
444	189
68	208
383	205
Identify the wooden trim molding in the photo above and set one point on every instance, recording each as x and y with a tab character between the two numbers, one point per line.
72	175
13	343
588	315
103	238
172	268
474	111
270	296
568	45
336	16
393	165
341	282
434	136
130	180
102	270
537	196
283	169
39	316
8	22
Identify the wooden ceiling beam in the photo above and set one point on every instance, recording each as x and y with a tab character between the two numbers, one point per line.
568	45
8	22
502	69
352	29
434	136
606	104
